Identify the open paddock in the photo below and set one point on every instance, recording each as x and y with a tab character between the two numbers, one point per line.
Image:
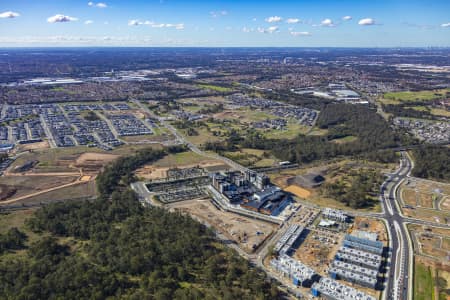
28	185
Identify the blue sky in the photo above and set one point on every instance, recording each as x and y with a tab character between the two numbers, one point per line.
300	23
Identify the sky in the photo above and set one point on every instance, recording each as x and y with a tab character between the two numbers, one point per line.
222	23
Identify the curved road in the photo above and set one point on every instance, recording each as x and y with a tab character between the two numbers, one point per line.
397	284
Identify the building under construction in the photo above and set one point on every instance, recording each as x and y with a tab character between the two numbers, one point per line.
300	274
331	289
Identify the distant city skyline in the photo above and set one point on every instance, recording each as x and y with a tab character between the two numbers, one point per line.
319	23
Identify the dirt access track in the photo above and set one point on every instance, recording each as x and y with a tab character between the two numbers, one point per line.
31	184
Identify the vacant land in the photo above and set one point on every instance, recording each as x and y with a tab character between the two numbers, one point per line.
317	253
427	200
181	160
79	191
430	241
423	281
247	233
293	129
14	219
25	185
298	191
397	97
340	171
344	140
371	225
215	88
252	157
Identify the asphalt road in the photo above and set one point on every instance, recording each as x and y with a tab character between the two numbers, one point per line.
397	284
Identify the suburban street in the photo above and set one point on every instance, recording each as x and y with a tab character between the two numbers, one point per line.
190	145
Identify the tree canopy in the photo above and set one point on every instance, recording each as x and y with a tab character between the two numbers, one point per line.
115	248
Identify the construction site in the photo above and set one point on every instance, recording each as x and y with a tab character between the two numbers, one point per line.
322	249
247	233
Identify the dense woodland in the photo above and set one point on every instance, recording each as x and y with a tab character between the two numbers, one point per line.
405	110
114	247
359	190
373	138
432	162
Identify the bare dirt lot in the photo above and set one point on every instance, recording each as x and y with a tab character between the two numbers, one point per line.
434	242
25	185
93	162
182	160
35	146
298	191
318	253
424	193
247	233
371	225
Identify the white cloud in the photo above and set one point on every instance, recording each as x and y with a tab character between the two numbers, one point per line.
292	21
61	19
347	18
9	15
176	26
274	19
271	29
98	5
216	14
88	22
179	26
327	23
134	23
445	24
246	29
77	40
366	22
300	33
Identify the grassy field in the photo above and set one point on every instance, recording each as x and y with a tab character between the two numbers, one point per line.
214	87
48	158
14	219
81	190
440	112
202	137
318	132
423	281
17	219
397	97
179	159
344	140
292	131
26	185
139	138
251	157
